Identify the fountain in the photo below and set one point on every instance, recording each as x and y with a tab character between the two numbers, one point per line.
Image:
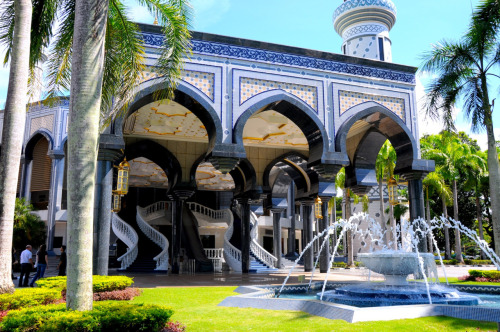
367	301
396	266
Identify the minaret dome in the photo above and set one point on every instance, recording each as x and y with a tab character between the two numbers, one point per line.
364	26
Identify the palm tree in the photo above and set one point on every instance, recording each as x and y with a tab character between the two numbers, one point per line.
14	118
463	70
340	183
450	153
476	171
384	168
435	182
100	89
87	76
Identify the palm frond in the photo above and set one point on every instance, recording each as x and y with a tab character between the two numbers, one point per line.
7	15
172	16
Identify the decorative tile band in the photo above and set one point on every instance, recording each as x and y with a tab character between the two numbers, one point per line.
250	87
201	80
352	4
238	52
46	122
349	99
362	29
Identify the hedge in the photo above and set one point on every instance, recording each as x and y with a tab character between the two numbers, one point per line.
28	297
99	283
489	274
105	316
466	261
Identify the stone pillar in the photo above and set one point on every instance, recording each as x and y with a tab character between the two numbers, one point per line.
177	207
174	244
181	195
103	209
416	200
291	215
277	235
55	194
22	179
26	184
324	259
307	208
245	234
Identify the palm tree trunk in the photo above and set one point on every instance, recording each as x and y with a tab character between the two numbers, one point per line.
393	227
494	181
350	253
480	221
458	243
429	235
446	232
83	134
12	136
493	165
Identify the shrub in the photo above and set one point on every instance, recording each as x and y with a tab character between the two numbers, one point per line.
29	297
477	262
118	295
99	283
359	264
489	274
106	316
174	327
448	262
339	264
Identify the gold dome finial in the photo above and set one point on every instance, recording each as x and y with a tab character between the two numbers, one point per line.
156	20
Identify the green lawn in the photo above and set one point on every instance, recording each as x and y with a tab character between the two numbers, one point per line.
196	307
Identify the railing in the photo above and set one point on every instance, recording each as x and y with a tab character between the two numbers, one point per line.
256	249
155	210
127	235
214	253
157	237
232	255
206	211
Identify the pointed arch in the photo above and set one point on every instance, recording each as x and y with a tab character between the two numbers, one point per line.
294	109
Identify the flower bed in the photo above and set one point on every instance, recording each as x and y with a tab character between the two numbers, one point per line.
481	276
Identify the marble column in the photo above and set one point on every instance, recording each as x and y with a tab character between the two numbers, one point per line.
177	207
277	235
55	195
245	234
307	210
324	258
26	184
416	197
291	215
103	209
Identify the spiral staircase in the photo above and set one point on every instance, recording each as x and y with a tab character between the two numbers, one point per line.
152	256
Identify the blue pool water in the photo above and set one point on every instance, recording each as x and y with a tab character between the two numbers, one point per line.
487	301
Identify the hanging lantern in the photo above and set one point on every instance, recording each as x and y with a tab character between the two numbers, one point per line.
317	208
122	182
392	188
117	202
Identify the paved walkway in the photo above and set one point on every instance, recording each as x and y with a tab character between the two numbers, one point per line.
237	279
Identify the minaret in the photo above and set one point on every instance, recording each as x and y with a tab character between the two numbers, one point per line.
364	26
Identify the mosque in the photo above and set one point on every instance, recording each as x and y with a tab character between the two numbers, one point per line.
227	173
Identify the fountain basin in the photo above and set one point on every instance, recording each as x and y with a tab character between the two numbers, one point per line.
395	265
363	296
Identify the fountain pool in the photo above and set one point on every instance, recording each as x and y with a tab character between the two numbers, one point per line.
395	298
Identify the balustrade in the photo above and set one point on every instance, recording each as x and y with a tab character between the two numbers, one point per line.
127	235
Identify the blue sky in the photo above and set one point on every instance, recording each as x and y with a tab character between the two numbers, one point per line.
308	24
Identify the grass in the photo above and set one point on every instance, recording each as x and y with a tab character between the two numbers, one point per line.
196	307
460	282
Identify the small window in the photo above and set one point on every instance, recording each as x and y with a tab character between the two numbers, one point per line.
381	49
344	49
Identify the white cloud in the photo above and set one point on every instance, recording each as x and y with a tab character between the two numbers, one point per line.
208	12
